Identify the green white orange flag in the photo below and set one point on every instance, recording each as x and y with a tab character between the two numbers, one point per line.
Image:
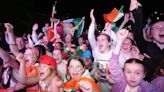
75	21
54	9
114	15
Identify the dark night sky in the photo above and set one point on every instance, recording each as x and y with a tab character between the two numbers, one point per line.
23	13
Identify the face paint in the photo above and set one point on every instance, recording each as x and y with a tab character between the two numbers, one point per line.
75	69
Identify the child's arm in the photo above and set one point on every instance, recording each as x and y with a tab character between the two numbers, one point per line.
126	19
114	67
108	30
91	36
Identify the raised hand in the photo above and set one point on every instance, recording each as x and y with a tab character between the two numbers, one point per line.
56	23
20	58
9	27
40	34
134	4
35	27
29	36
92	16
122	34
108	26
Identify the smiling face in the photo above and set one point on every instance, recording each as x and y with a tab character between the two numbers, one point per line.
57	55
80	40
31	55
68	38
157	31
20	43
134	73
103	43
126	45
75	69
44	71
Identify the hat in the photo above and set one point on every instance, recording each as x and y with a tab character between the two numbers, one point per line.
48	60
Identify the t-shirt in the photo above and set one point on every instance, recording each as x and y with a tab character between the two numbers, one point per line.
102	63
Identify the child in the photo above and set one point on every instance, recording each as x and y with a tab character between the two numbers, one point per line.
128	50
101	49
130	79
159	77
49	81
61	63
78	78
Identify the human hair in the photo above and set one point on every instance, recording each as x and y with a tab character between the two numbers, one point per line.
75	58
69	35
157	70
52	69
41	48
137	61
78	59
107	36
61	45
132	41
72	23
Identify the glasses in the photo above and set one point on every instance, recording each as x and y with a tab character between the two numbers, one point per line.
157	28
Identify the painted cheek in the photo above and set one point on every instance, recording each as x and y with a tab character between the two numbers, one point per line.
70	70
74	69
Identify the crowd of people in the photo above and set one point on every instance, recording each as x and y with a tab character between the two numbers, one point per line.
128	60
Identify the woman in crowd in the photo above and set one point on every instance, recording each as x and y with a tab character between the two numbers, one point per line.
129	50
46	74
131	78
61	63
102	50
78	78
